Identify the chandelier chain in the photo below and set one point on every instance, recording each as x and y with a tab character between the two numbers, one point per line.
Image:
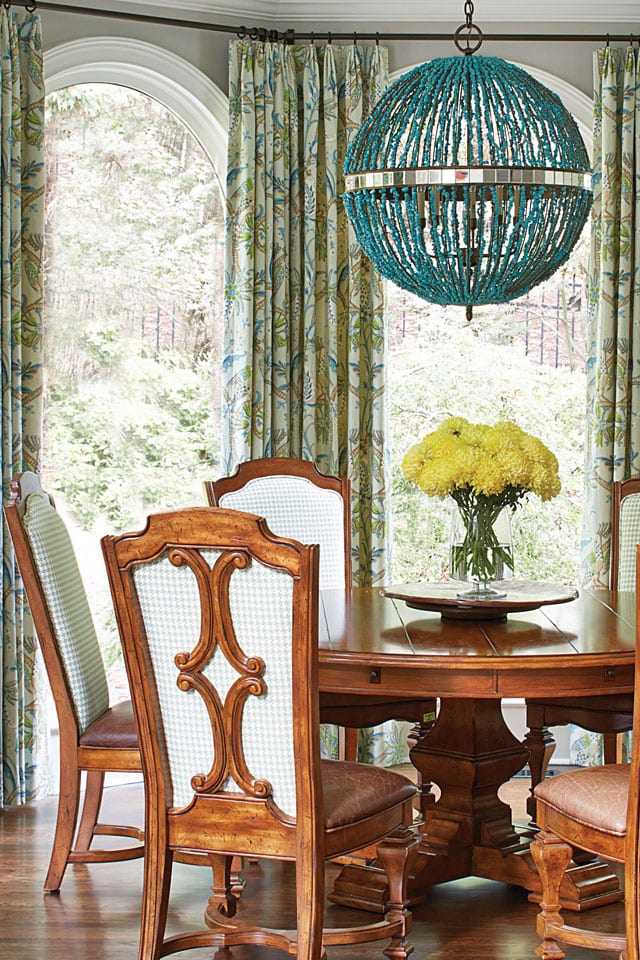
468	37
468	12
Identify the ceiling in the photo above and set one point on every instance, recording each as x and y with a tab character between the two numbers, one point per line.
577	12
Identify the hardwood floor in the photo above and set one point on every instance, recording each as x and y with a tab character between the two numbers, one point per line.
96	915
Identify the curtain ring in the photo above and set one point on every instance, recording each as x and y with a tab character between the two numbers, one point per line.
241	34
329	38
313	38
377	39
31	7
606	46
355	38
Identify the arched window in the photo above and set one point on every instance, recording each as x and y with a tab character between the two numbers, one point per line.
134	289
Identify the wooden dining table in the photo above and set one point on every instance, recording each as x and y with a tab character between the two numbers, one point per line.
371	643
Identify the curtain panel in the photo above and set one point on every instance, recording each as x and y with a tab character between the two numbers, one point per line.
613	336
21	238
304	352
612	449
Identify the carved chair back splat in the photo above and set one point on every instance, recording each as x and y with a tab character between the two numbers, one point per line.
218	620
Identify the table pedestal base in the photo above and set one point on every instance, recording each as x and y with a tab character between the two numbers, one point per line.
470	753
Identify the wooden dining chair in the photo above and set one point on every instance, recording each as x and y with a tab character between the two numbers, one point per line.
94	737
218	619
299	501
610	716
596	809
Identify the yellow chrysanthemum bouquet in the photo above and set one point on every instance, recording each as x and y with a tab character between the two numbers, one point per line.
483	469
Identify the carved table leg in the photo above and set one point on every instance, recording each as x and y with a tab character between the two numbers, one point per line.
469	753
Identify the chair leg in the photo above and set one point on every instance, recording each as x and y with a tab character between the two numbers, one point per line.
397	854
351	736
540	744
310	892
551	857
610	748
158	863
90	809
222	900
68	802
425	798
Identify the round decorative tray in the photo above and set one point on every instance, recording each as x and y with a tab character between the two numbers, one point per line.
516	596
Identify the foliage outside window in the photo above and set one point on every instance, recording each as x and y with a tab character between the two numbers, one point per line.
489	370
134	267
134	276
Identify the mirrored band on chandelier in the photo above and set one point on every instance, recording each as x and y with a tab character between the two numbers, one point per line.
442	176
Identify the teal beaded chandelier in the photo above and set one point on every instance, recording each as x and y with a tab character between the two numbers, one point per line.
469	183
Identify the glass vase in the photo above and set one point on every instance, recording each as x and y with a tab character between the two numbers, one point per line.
480	552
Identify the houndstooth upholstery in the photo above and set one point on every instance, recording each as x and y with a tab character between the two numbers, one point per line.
68	608
295	507
261	604
629	527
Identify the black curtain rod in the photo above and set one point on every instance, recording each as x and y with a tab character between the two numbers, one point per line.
291	36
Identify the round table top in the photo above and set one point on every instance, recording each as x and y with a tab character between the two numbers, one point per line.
372	643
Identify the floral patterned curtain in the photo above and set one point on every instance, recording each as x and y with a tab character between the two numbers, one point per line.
304	339
21	235
613	385
304	355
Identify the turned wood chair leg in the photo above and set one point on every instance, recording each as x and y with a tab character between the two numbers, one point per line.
397	854
237	866
425	797
90	809
68	803
222	900
540	743
551	857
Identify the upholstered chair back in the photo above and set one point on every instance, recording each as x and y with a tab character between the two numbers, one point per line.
298	502
629	537
625	533
217	619
66	603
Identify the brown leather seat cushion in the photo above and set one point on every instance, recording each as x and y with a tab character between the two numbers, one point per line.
116	728
354	791
595	796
